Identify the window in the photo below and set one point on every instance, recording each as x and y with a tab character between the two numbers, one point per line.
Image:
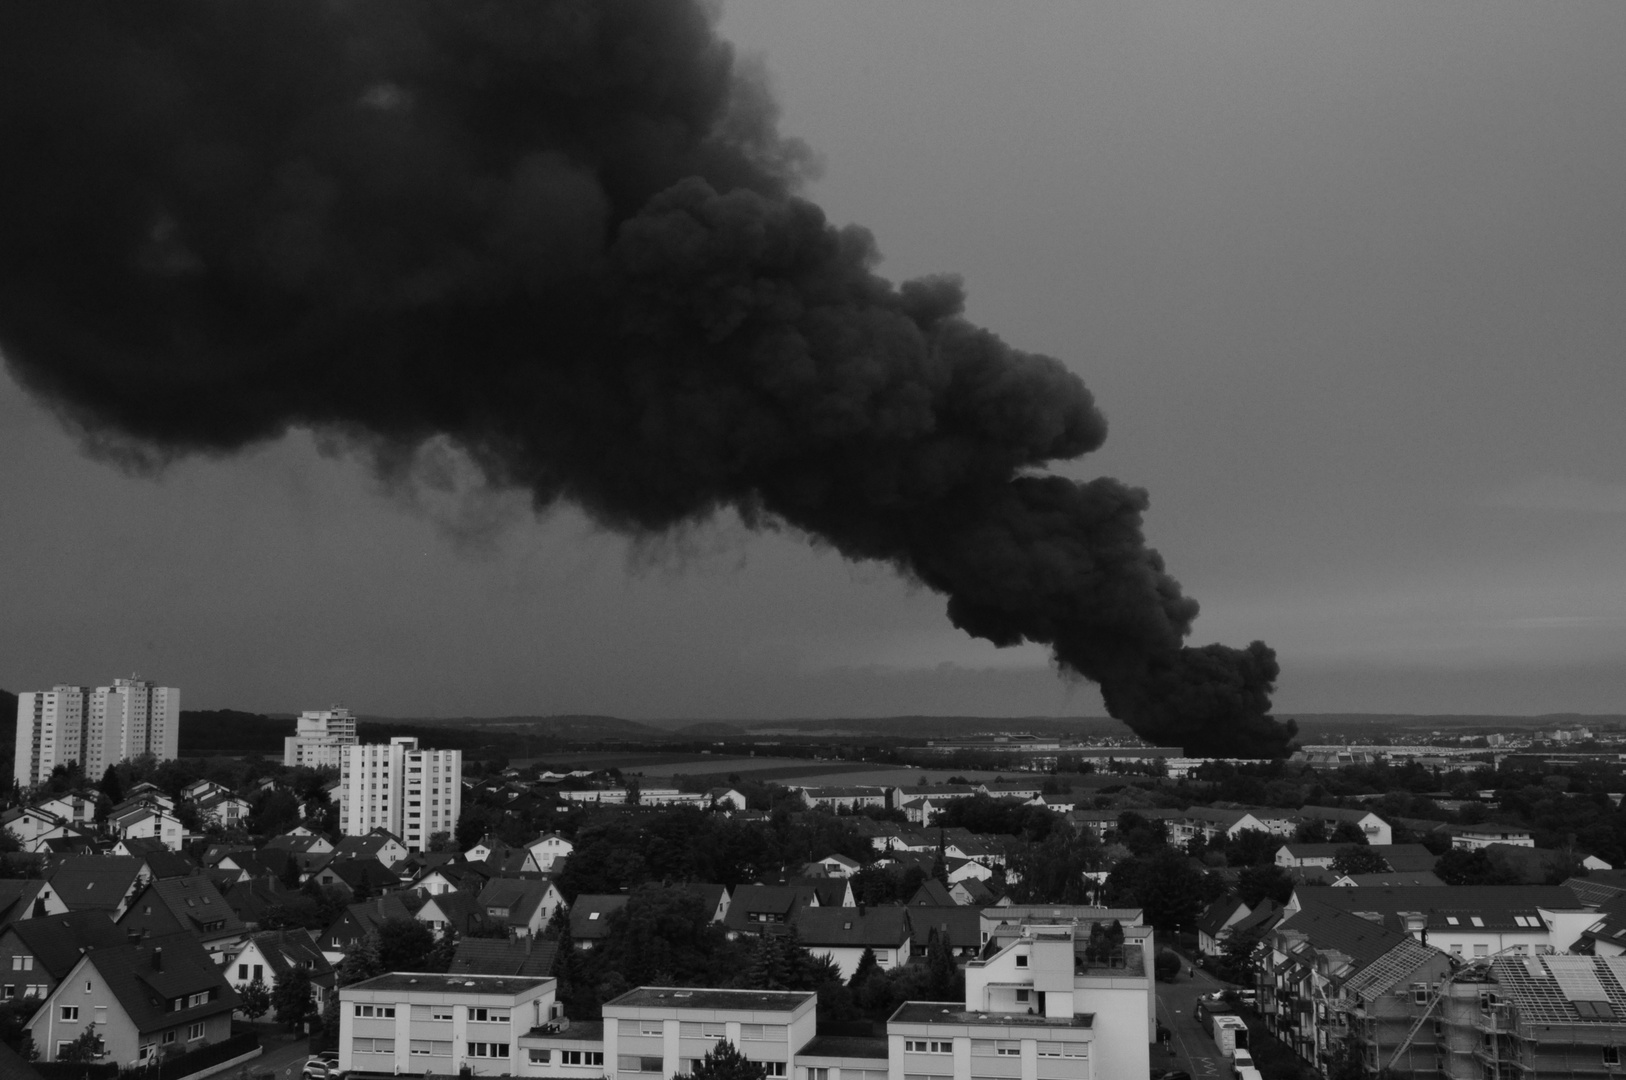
1021	995
22	963
651	1027
440	1012
431	1048
170	1036
924	1046
818	1074
488	1016
1476	920
1021	960
1064	1050
8	991
694	1029
540	1055
194	1032
639	1063
1611	1055
581	1057
382	1011
1481	950
70	1013
772	1068
374	1046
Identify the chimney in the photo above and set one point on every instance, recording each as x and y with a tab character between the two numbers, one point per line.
158	958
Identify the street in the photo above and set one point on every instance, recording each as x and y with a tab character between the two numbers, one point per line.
285	1062
1194	1050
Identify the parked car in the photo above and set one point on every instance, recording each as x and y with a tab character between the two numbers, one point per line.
1170	1074
322	1067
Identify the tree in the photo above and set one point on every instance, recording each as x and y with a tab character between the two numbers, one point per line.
403	944
1358	859
440	841
109	785
1167	965
946	983
86	1048
1258	882
360	962
724	1062
867	966
1347	832
255	1000
293	998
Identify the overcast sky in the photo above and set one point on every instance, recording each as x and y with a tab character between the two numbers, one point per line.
1348	280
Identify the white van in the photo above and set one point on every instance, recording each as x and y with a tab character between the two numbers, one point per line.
1242	1064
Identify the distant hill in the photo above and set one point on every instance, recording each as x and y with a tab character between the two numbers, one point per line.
208	732
712	729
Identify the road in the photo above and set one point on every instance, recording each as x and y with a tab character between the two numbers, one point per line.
1194	1050
285	1061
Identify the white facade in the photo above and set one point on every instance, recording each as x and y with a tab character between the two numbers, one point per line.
319	739
663	1031
414	1023
411	792
96	728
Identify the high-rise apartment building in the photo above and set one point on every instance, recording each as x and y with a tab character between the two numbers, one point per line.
95	727
411	792
319	738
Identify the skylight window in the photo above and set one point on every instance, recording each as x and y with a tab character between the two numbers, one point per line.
1477	921
1451	919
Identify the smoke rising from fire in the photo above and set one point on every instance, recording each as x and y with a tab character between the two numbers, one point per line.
564	236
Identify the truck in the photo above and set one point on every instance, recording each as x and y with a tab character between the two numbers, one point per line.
1230	1033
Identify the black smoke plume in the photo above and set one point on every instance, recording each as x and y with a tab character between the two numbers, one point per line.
565	236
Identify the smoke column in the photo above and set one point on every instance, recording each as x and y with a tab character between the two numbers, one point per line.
564	236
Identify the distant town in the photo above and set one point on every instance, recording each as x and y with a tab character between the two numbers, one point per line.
327	894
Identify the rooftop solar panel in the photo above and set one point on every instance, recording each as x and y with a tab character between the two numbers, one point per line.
1576	979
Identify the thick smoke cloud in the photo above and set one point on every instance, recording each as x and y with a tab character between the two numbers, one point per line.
565	236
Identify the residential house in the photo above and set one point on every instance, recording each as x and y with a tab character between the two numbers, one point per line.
417	1023
843	935
723	798
451	912
960	927
147	822
357	879
1475	837
522	905
359	920
836	866
1421	877
145	1000
71	808
845	798
547	848
754	907
224	809
190	905
1375	829
664	1031
98	882
300	841
270	956
1467	921
36	954
380	845
590	917
1214	926
1057	976
516	956
1331	979
1210	824
28	898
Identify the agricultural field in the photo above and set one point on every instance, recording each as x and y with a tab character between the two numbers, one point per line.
792	771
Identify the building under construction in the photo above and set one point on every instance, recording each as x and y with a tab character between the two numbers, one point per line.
1534	1018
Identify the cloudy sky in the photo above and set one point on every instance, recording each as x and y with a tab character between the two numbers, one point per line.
1349	282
